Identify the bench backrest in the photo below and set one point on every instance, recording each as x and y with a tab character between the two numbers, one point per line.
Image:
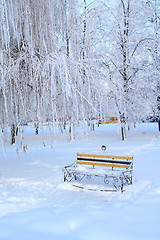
105	160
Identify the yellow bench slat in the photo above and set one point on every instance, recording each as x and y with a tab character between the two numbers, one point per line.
104	156
104	164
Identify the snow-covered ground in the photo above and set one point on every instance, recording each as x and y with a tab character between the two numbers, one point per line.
35	204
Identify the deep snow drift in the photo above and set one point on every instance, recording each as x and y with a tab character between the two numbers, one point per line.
36	204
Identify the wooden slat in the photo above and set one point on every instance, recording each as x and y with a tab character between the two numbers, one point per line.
104	156
104	164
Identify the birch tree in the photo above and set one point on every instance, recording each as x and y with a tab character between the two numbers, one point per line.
127	56
152	9
42	70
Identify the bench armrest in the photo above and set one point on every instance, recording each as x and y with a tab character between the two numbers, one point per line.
71	165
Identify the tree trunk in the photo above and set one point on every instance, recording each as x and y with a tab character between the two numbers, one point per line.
159	124
92	126
16	131
84	30
13	134
67	41
36	126
123	132
72	131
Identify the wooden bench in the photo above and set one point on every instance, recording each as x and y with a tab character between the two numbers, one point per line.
116	171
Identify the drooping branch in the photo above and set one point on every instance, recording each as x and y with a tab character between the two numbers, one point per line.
138	44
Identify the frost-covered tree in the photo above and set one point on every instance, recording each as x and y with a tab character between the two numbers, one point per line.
127	58
44	75
152	9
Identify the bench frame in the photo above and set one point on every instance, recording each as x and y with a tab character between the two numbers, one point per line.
117	169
